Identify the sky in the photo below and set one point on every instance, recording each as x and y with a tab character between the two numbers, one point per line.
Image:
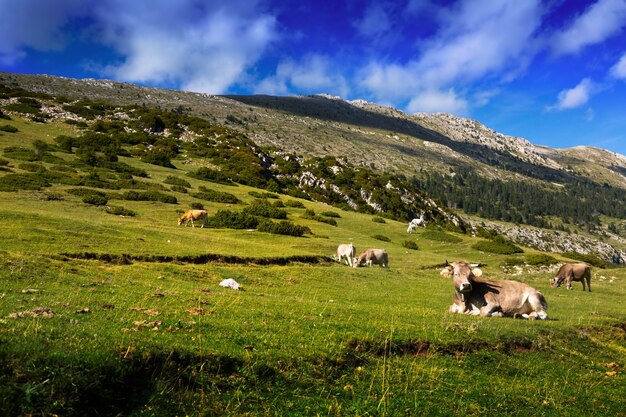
550	71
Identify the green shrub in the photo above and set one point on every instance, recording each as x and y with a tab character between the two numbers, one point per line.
83	192
196	206
177	181
440	236
14	182
232	220
310	214
330	214
410	244
377	219
32	167
120	211
8	128
540	259
212	175
215	196
257	194
283	227
294	204
149	196
262	208
22	154
498	245
158	157
95	199
178	189
382	238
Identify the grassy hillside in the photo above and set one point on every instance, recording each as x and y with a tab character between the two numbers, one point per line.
102	314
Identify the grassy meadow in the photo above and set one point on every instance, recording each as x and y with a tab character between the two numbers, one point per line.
155	335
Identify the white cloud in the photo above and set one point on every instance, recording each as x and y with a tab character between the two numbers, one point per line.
619	70
575	97
201	49
479	39
433	101
599	22
312	74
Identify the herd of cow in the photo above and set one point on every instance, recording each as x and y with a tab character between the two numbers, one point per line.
472	294
476	296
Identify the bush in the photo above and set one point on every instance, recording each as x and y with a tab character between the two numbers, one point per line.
232	220
498	245
212	175
149	196
330	214
409	244
294	204
95	199
17	152
257	194
119	211
8	128
215	196
377	219
158	157
283	227
310	214
14	182
177	181
263	209
382	238
196	206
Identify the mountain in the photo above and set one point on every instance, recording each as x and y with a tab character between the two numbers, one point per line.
484	175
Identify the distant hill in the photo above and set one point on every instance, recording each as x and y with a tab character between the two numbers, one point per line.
435	163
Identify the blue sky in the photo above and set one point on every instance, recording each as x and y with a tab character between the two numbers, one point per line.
551	71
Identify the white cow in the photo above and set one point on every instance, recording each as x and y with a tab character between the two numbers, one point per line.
346	250
415	223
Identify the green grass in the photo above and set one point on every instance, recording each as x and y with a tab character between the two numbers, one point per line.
162	338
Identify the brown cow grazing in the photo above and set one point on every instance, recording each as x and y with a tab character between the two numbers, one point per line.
572	272
371	257
191	215
494	298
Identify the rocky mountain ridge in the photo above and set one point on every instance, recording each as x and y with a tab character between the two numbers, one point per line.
374	136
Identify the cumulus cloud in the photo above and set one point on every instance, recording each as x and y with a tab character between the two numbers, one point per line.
201	49
575	97
619	69
479	39
433	101
600	21
199	46
312	74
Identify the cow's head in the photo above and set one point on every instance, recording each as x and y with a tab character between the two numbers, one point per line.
356	262
462	276
556	282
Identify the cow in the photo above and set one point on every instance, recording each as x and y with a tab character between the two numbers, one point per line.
371	257
415	223
191	215
346	250
569	272
476	296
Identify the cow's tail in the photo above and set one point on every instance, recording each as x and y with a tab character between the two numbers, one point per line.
541	309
